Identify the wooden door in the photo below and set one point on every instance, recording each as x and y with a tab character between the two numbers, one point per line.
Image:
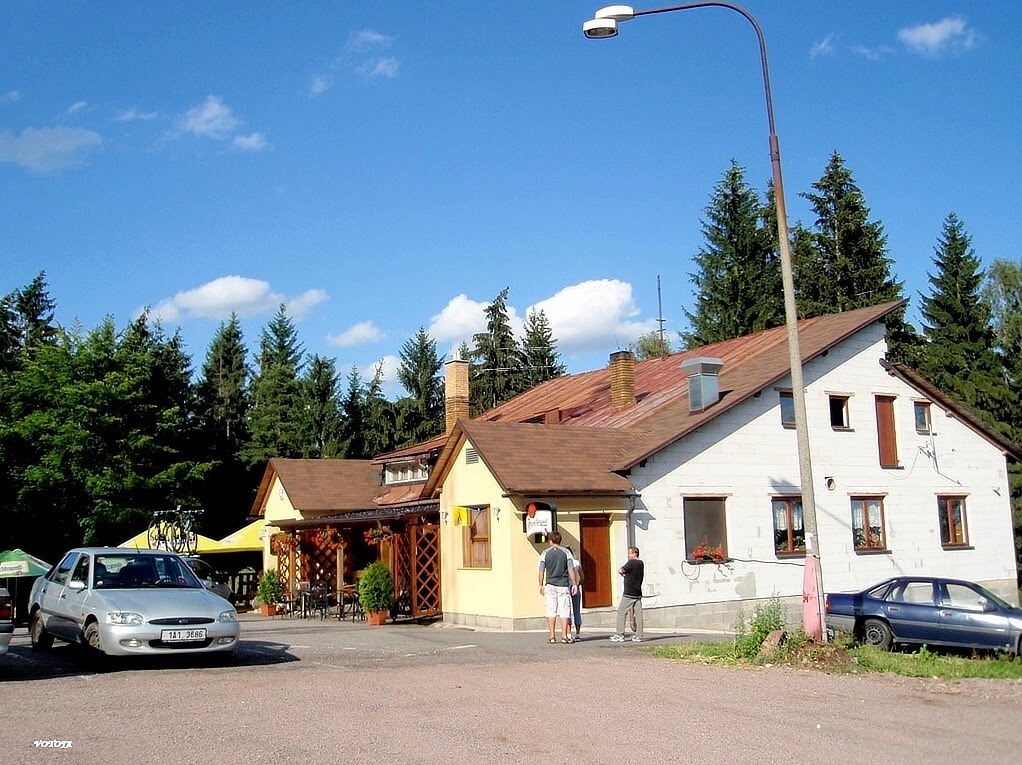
597	588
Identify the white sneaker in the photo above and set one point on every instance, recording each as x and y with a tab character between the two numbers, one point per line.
636	639
617	638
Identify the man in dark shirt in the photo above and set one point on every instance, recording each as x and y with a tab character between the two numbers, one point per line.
631	598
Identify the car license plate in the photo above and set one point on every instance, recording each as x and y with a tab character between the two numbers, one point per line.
182	636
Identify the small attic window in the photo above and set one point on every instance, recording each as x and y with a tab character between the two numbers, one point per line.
406	472
471	456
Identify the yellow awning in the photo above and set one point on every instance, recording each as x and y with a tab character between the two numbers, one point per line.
204	545
247	538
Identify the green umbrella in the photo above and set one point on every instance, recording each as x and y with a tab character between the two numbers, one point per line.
17	562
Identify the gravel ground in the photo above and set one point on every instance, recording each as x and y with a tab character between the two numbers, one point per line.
306	691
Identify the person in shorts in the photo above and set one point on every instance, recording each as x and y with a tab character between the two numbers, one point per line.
557	583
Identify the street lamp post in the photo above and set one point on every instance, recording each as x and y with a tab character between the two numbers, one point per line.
603	25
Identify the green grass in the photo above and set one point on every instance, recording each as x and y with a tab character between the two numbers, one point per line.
841	657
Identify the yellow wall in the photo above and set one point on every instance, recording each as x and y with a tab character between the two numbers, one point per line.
276	507
509	589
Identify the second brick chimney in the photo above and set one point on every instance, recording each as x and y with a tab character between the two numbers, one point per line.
456	402
622	379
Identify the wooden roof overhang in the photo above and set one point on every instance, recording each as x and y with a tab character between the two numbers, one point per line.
368	515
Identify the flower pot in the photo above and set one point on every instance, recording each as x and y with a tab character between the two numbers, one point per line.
377	618
268	609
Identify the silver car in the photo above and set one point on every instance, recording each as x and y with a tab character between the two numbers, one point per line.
129	602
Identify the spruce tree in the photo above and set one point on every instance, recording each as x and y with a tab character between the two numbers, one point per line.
421	412
498	369
222	405
841	264
380	418
352	435
319	412
738	281
959	356
275	393
541	359
35	314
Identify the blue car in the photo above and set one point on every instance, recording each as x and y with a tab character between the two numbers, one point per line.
937	612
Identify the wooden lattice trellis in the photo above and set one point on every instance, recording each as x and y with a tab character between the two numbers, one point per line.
425	543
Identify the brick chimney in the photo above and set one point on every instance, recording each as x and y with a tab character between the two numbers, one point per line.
622	379
703	385
455	392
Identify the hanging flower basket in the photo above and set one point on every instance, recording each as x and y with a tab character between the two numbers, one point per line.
326	536
377	535
282	544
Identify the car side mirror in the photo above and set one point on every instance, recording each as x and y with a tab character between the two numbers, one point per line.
988	606
76	584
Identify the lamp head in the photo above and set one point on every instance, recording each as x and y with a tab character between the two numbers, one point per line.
597	29
604	21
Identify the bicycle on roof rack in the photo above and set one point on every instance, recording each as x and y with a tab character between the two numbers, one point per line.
174	530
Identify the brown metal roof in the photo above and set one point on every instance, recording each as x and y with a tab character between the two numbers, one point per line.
535	456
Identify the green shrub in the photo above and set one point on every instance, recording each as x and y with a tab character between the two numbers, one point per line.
765	619
376	588
269	590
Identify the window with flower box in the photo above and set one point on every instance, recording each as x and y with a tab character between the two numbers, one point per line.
951	519
705	528
789	528
868	532
476	538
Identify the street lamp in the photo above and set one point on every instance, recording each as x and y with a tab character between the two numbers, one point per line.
604	24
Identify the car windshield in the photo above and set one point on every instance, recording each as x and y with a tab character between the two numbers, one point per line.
117	571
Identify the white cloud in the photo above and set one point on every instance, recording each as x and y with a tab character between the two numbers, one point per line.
822	48
363	332
133	115
254	142
10	97
390	364
379	68
593	315
210	119
950	34
298	306
873	54
77	106
321	83
231	294
46	150
589	316
458	321
366	40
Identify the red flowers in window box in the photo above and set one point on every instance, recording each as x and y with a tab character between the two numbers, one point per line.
704	552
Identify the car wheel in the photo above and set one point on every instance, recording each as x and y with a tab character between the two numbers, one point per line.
41	639
92	639
877	634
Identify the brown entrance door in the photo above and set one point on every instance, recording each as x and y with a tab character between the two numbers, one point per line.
595	551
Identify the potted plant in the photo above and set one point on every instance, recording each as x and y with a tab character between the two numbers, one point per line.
376	592
269	593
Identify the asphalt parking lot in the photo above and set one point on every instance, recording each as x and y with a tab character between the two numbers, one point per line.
306	691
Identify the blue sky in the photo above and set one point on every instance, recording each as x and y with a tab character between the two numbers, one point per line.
389	165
